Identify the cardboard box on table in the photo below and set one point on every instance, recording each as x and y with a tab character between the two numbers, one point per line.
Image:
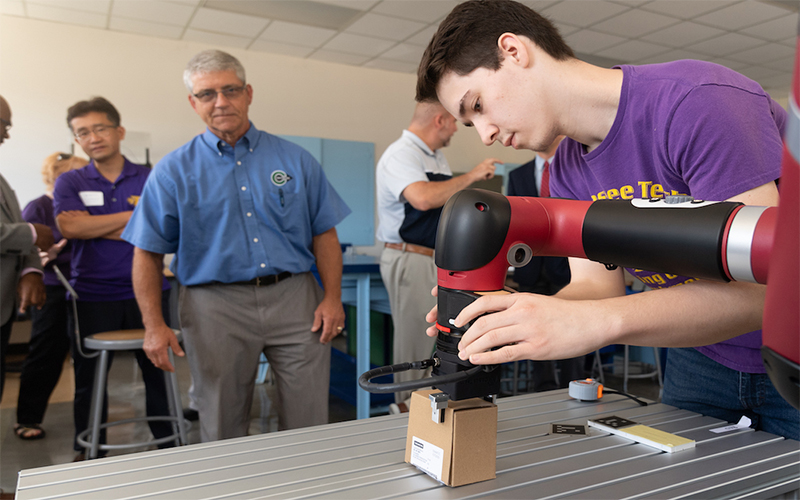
462	449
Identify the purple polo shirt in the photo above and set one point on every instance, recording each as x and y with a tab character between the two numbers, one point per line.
40	211
101	268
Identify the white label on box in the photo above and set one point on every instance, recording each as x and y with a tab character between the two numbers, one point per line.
91	198
427	457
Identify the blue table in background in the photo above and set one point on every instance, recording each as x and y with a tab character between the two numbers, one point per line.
362	287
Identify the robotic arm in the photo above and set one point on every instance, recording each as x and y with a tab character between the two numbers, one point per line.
482	233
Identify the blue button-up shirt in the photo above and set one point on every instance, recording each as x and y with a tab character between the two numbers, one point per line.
235	213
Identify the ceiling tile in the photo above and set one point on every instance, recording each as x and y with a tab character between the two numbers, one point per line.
682	34
405	52
759	72
729	63
791	41
777	29
193	35
784	64
686	9
633	50
565	29
357	44
672	55
583	13
351	4
418	10
312	13
157	12
299	34
400	67
634	23
339	57
285	49
96	6
539	5
145	28
12	8
782	82
67	16
725	44
764	53
591	42
741	15
381	26
424	36
228	23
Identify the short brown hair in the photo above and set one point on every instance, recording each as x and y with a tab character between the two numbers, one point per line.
93	105
467	40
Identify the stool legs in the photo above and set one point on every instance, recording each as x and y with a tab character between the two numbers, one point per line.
90	438
174	401
96	412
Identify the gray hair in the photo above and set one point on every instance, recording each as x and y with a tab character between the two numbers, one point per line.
210	61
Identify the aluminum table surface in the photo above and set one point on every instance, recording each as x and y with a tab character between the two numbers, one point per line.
364	459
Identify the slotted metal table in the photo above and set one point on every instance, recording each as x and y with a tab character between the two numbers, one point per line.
364	459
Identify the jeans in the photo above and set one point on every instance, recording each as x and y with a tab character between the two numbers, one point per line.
697	383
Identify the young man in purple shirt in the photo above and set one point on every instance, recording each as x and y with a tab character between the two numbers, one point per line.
685	127
92	207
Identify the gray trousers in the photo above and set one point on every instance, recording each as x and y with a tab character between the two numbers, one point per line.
409	278
225	329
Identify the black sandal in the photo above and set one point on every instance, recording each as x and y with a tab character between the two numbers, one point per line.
22	431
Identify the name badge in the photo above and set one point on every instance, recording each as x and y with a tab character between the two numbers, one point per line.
92	198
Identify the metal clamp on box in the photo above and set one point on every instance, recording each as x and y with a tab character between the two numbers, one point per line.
438	404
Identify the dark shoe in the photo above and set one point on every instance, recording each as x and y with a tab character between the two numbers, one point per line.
29	432
190	414
80	457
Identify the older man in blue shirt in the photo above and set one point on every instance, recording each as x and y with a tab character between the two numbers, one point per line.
246	214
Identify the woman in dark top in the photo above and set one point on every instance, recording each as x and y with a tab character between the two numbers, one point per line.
52	325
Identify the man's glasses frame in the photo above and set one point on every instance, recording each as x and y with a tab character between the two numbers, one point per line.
230	93
98	130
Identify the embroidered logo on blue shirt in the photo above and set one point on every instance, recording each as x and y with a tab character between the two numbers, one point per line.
279	178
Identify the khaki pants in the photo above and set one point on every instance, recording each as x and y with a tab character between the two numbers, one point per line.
226	327
409	278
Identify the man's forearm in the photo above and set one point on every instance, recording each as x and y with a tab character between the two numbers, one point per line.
147	279
430	195
88	227
694	314
328	253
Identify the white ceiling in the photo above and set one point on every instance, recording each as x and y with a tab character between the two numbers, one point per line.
754	37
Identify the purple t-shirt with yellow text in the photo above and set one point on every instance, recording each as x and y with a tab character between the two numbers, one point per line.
684	127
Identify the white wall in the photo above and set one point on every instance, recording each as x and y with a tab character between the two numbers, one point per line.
46	67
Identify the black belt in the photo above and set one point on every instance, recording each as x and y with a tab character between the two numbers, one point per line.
262	280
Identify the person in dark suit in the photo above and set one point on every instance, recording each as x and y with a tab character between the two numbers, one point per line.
543	275
20	266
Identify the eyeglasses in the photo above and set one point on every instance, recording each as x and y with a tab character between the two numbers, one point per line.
230	93
98	130
6	125
63	156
